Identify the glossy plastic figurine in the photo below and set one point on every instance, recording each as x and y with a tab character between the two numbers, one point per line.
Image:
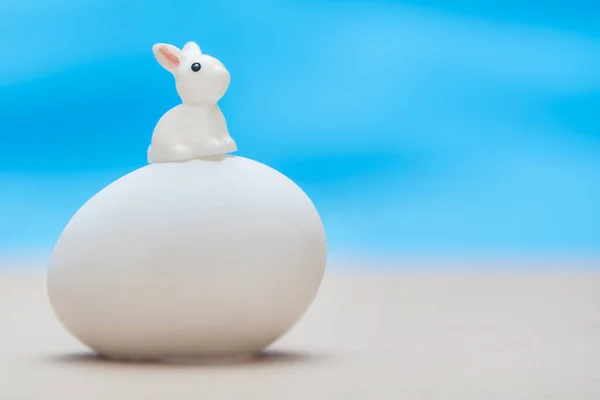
197	127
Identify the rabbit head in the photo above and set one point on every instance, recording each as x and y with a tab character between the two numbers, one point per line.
199	78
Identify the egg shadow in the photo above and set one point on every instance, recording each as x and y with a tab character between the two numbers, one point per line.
271	357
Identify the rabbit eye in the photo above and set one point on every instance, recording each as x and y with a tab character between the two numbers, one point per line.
196	67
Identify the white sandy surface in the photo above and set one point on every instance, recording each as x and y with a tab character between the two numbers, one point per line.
367	336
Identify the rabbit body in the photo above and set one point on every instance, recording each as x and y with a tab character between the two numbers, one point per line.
190	131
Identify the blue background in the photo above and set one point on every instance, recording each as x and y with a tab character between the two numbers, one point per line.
430	128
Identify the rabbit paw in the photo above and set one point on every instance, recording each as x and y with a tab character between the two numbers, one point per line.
229	145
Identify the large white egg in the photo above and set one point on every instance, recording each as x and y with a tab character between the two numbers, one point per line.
205	258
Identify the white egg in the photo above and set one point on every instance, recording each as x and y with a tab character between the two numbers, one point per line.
206	258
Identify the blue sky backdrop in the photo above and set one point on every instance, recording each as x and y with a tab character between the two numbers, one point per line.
418	127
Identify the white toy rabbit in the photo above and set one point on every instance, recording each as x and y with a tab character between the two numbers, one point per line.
196	128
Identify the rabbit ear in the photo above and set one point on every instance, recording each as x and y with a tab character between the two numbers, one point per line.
167	55
192	47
